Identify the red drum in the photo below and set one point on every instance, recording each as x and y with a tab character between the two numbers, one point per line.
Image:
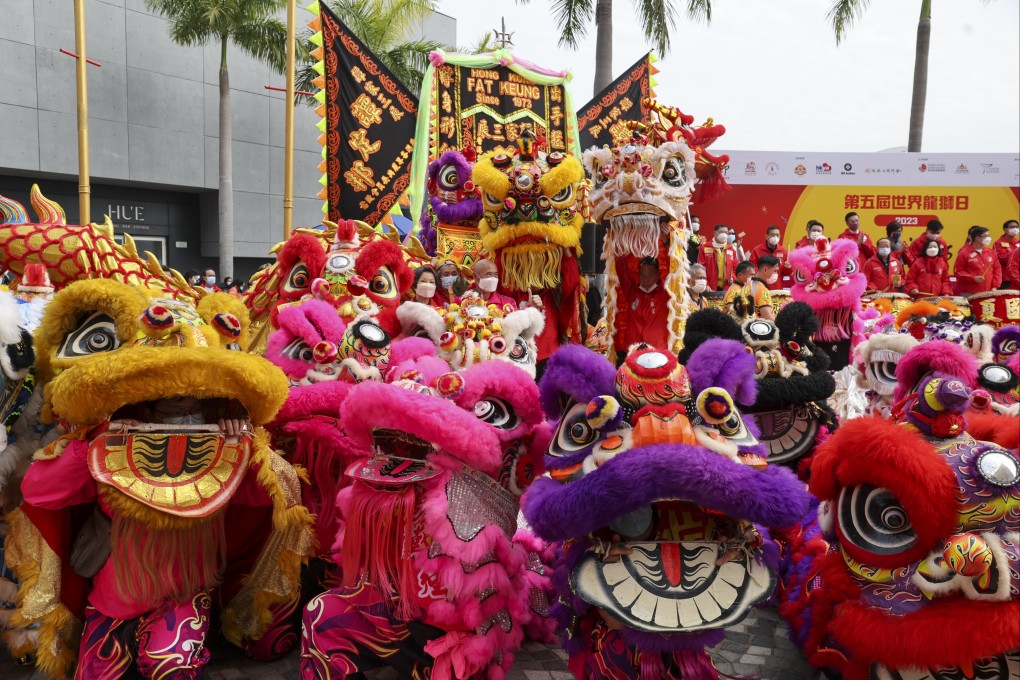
997	308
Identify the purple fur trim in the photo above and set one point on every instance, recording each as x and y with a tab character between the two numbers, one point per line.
454	158
726	364
1002	335
577	372
454	213
657	642
773	496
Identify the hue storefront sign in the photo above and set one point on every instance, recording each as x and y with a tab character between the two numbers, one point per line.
788	189
139	217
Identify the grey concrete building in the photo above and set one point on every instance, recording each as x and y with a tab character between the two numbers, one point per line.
153	126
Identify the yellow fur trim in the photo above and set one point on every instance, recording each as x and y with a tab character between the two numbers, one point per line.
489	178
276	577
100	384
568	172
222	303
567	236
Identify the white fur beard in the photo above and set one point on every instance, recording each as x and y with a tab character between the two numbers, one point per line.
634	234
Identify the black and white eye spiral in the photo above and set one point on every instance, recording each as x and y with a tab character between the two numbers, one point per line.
872	519
96	333
497	412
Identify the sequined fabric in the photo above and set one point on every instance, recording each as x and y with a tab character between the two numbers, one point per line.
476	501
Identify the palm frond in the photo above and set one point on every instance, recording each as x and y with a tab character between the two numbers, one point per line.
573	17
657	19
843	14
266	41
699	9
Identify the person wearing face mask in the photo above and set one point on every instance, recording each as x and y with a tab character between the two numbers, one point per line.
719	259
919	245
894	232
884	271
977	268
424	287
929	275
775	249
209	282
647	308
451	284
486	283
865	247
815	230
697	284
1005	246
694	243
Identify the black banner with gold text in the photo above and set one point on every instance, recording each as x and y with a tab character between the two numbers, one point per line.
603	120
370	120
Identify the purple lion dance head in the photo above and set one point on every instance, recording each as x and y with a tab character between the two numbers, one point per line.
659	493
453	198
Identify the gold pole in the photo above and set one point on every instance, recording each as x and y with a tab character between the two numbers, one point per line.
288	138
84	190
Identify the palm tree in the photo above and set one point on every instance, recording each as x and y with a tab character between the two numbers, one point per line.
843	13
384	27
656	17
252	26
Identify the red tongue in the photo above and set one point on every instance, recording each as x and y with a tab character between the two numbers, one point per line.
671	562
176	448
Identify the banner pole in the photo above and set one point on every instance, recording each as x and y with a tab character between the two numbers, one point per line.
288	140
84	189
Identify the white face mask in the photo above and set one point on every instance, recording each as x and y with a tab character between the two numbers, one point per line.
1013	231
488	283
425	290
732	238
210	280
773	240
721	238
699	285
986	241
884	252
695	227
447	281
932	252
815	235
772	279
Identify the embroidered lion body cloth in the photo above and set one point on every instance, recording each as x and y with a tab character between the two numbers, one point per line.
147	511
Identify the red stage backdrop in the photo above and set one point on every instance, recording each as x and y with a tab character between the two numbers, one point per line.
788	189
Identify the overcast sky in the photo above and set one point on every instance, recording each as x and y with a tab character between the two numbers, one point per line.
772	74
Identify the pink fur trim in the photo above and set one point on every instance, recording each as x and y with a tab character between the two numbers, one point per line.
935	355
505	381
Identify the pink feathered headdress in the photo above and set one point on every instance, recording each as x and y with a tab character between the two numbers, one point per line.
936	355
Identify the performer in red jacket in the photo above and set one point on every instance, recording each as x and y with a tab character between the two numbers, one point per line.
773	247
977	268
719	259
919	244
865	247
1005	246
929	275
815	230
884	271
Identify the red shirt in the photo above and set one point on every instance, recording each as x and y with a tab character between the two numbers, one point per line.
917	247
806	241
928	277
504	302
1013	268
646	319
784	266
1004	248
865	246
971	264
879	274
707	257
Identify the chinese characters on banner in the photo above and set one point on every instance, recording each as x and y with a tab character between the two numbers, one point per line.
370	121
489	109
603	120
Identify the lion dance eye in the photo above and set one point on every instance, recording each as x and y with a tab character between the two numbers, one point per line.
574	434
383	285
851	266
873	520
673	173
798	276
448	177
96	334
497	413
299	279
563	198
